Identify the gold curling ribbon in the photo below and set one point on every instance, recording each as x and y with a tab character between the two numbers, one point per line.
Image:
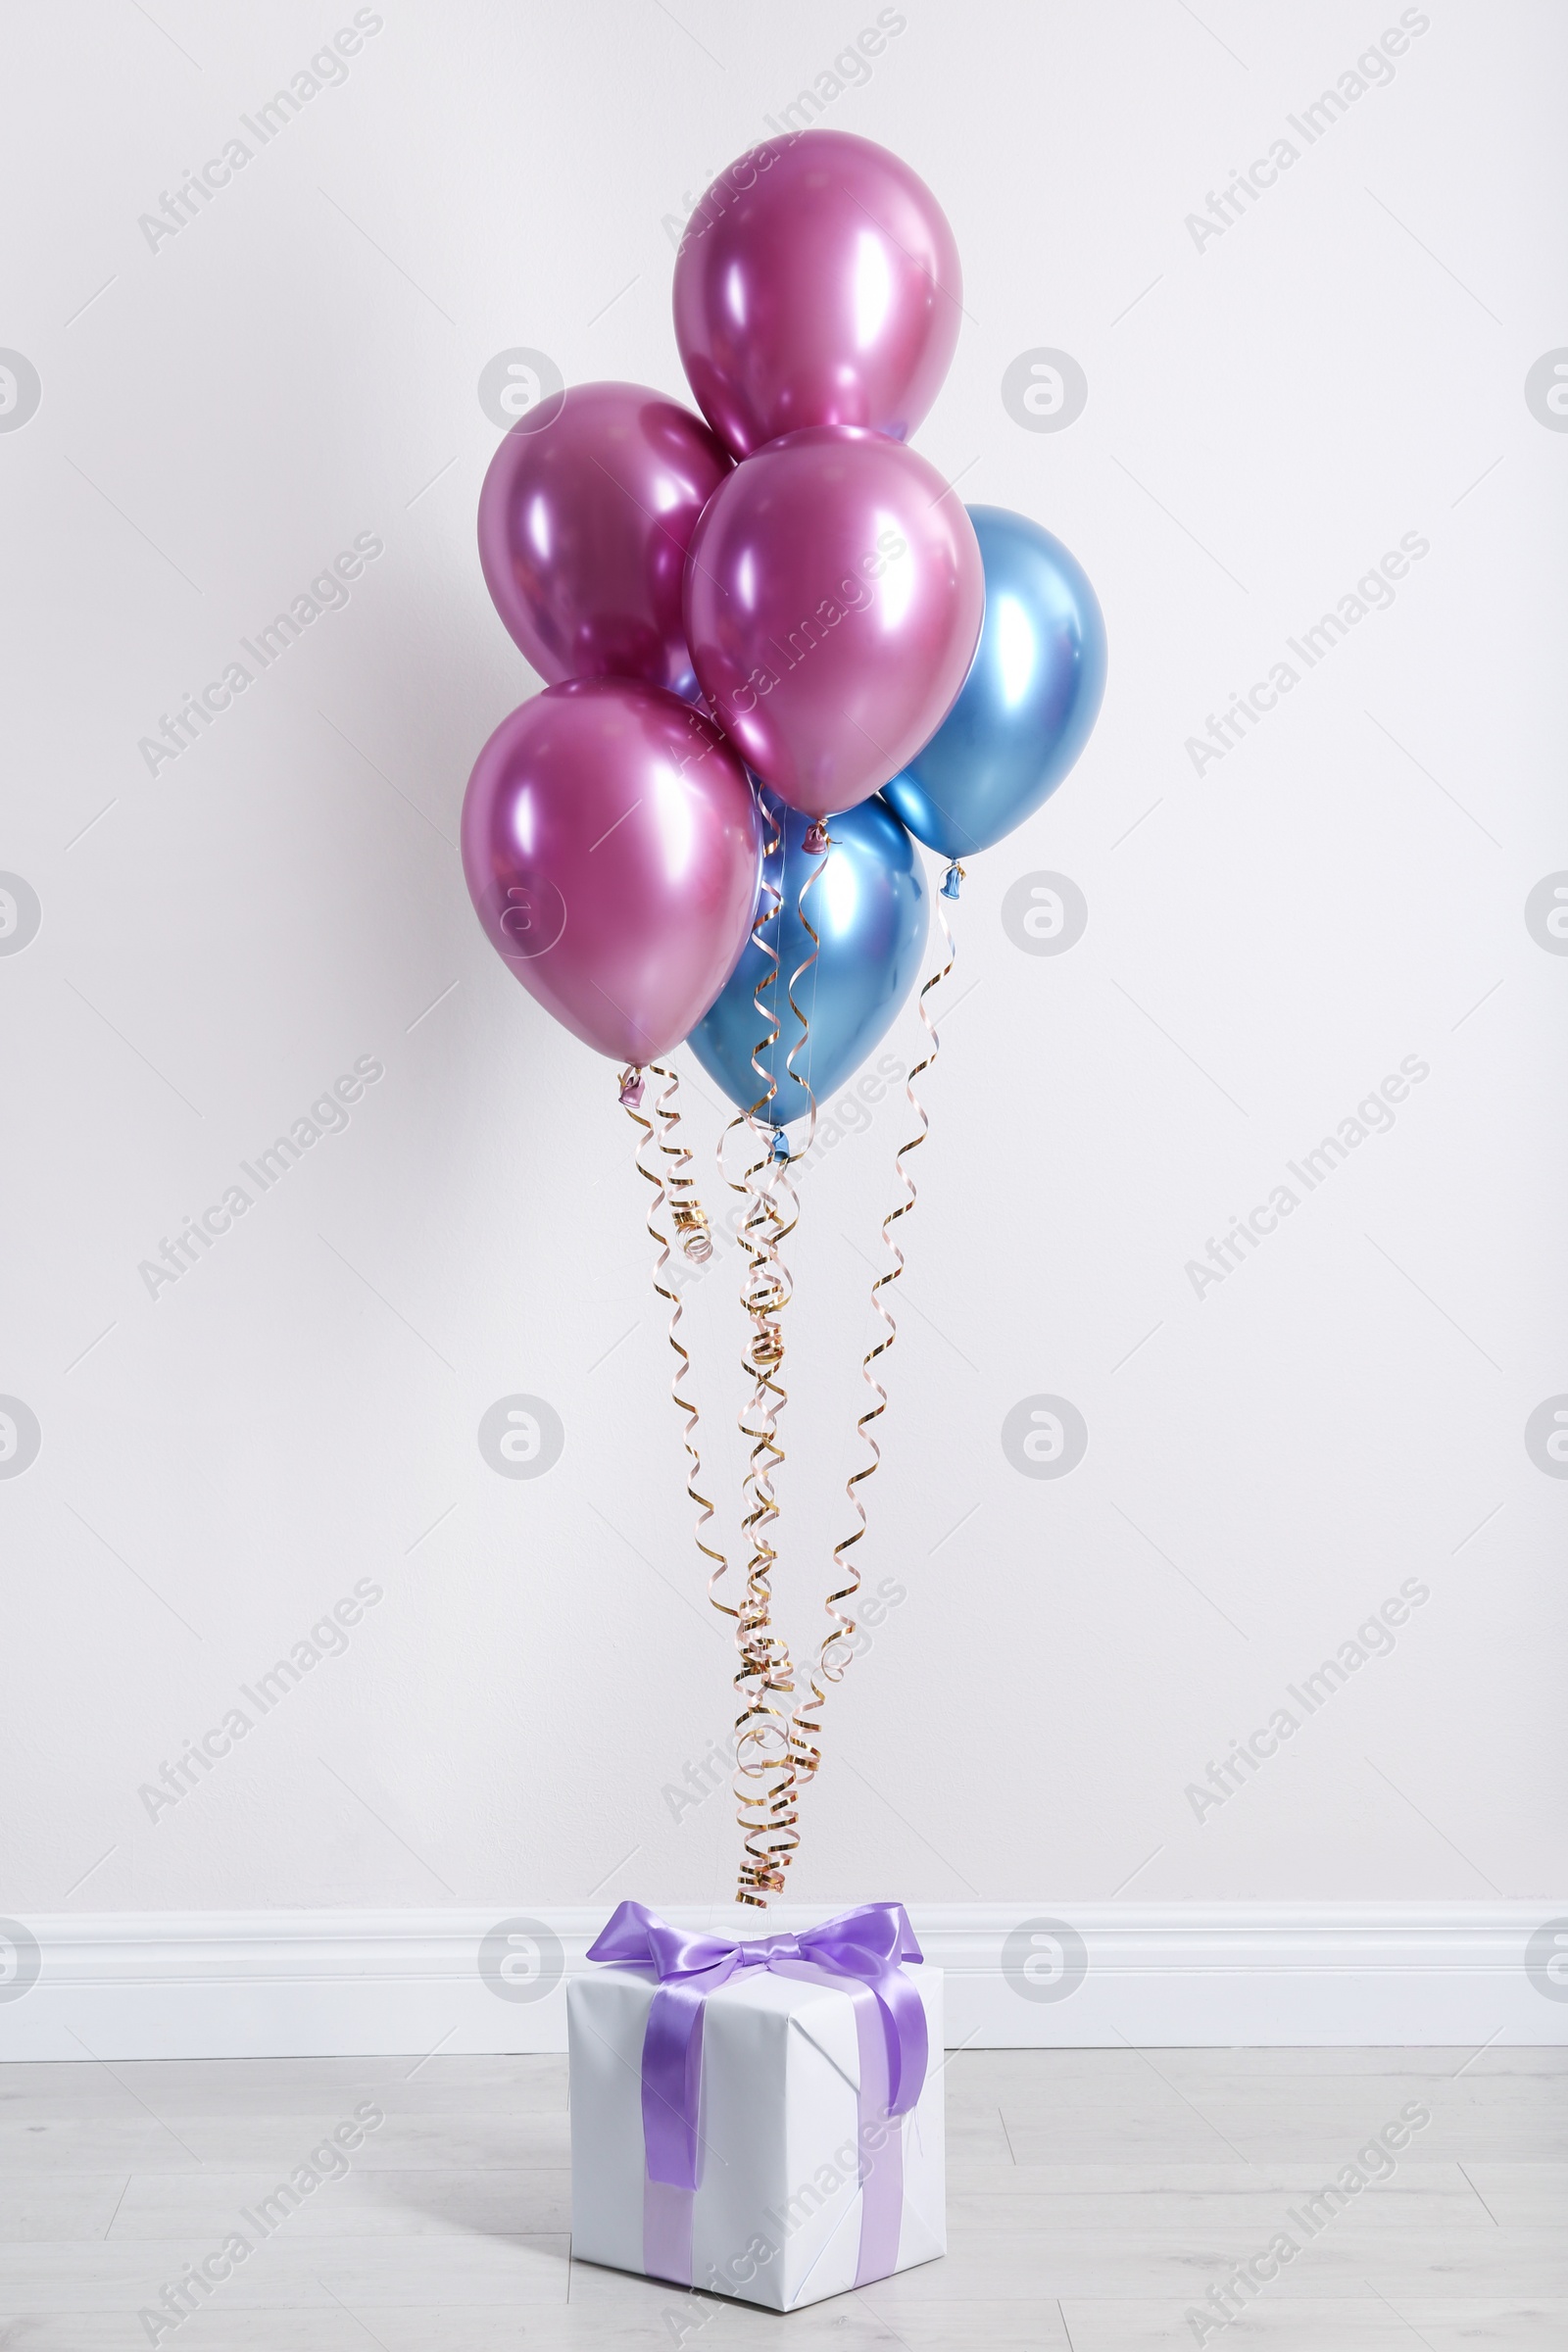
837	1650
804	1729
764	1768
687	1212
691	1226
771	1835
769	1814
781	1753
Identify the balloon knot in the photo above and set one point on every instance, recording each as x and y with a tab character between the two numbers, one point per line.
817	838
631	1086
950	880
780	1145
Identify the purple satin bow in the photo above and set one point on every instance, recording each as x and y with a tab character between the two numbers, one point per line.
870	1944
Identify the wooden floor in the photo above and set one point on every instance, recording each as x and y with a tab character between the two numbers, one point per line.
1095	2197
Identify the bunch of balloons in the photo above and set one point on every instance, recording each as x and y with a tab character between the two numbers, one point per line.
778	653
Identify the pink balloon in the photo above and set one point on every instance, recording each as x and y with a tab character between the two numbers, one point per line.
834	595
817	283
612	848
584	520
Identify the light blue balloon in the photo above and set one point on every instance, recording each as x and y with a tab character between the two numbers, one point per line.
1025	710
870	910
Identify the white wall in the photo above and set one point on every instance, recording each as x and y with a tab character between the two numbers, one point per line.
1266	1464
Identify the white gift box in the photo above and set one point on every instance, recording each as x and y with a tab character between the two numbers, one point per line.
781	2215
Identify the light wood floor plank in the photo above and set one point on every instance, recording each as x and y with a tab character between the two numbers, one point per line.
1095	2198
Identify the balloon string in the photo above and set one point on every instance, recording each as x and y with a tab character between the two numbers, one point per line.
765	1770
691	1228
838	1643
691	1224
690	1218
764	1752
804	1731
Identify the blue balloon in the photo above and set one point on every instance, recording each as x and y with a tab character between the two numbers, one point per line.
868	909
1024	711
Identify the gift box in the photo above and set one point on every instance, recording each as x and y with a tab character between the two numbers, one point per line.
761	2120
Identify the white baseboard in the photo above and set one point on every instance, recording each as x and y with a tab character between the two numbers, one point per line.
319	1984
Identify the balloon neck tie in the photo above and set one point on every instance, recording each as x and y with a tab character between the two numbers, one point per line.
632	1088
780	1146
950	880
817	838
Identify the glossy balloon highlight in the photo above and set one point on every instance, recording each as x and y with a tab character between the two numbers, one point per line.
611	846
1027	706
834	593
818	282
585	517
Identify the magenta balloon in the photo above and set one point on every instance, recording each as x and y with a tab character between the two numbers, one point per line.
817	283
584	519
612	849
834	595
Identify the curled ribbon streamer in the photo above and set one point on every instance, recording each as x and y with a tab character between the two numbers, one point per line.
690	1222
689	1216
767	1812
830	1666
805	1729
768	1816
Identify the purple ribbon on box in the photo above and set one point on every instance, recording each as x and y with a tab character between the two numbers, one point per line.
861	1954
